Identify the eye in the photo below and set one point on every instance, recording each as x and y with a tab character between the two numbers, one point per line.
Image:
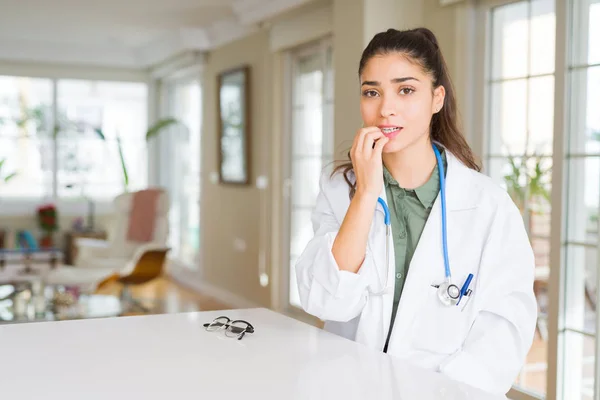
370	93
406	90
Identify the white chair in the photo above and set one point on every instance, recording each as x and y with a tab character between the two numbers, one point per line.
87	279
117	251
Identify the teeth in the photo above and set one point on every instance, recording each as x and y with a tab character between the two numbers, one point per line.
389	130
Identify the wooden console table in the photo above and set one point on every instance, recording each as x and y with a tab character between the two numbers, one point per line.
70	251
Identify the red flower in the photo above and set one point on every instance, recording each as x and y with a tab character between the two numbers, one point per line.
47	217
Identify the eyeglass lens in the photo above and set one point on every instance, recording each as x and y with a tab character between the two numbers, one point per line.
218	323
237	327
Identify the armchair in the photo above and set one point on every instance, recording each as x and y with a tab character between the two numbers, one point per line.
149	264
146	264
140	219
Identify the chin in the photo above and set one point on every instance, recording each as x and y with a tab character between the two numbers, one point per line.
401	143
395	146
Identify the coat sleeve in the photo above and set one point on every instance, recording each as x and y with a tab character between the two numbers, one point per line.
502	333
326	291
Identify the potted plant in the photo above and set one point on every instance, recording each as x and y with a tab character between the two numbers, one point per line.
47	217
527	184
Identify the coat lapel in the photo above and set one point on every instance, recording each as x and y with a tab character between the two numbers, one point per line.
386	271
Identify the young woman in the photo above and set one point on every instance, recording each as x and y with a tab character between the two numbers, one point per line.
450	288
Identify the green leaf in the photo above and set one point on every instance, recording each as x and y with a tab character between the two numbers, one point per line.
159	126
55	131
100	133
33	114
512	181
9	177
21	122
123	165
37	115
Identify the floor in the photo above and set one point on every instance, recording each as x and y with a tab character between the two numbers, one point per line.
166	296
533	375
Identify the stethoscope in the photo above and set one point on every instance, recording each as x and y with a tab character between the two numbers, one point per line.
448	293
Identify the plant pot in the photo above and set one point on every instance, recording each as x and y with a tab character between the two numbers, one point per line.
47	241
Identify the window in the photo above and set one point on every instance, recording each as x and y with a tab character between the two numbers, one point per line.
180	168
522	112
26	149
53	147
582	185
88	166
310	145
520	127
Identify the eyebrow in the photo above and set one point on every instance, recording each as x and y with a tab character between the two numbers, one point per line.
395	80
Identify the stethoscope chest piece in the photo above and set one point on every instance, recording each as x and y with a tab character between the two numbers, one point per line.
448	293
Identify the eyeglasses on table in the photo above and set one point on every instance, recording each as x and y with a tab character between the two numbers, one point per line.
233	329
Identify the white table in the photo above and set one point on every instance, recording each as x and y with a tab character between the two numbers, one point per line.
172	357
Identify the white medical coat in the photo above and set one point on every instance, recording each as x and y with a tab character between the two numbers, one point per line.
484	345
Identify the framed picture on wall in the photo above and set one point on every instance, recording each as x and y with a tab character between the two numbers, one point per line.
233	126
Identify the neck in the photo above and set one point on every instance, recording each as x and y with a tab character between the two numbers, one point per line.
413	166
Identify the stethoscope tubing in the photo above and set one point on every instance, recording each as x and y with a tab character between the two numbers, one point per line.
387	220
444	219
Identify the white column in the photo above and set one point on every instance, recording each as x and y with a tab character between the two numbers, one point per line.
465	69
153	158
379	15
54	126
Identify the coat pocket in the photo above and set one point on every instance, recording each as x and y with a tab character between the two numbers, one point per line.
440	328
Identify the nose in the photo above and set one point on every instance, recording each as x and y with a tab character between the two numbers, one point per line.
388	107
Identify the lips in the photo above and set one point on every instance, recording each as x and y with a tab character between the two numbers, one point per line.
390	131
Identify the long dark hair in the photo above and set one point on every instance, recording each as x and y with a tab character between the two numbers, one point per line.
421	46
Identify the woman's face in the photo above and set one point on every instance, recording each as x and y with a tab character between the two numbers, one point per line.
398	97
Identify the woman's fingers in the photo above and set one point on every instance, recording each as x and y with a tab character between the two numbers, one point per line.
360	138
366	159
370	139
378	149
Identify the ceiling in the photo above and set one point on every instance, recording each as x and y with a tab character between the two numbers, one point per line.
125	33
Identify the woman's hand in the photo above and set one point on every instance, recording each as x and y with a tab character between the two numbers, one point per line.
350	244
367	162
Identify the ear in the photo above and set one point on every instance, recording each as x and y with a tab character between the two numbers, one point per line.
439	94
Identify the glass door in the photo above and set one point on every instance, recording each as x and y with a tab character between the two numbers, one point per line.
180	168
582	185
309	147
542	124
518	141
